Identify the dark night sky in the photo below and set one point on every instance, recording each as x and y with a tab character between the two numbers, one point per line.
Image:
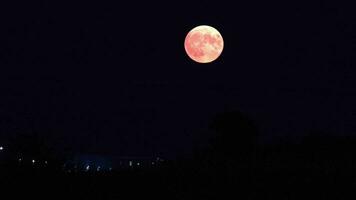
115	78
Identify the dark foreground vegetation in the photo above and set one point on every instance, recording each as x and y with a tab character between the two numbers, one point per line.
234	166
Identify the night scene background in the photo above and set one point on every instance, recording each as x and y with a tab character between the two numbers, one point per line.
100	101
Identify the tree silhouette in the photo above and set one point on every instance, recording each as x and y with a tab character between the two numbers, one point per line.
227	163
234	136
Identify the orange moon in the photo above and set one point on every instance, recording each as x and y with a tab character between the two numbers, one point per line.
204	44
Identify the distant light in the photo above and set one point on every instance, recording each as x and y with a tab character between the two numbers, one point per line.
98	168
46	162
87	168
138	164
130	163
153	163
110	169
20	159
33	161
1	148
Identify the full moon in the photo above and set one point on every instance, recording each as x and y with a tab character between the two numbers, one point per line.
204	44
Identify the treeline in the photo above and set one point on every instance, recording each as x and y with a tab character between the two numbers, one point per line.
318	165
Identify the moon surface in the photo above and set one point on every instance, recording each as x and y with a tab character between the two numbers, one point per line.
204	44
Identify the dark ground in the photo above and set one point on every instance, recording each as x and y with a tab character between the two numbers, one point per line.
317	166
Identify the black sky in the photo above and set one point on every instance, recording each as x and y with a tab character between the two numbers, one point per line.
114	78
